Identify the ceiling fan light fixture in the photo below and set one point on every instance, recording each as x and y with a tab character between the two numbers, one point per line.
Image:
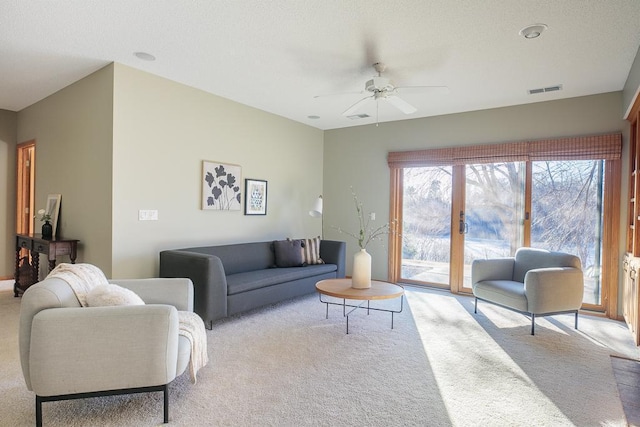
533	31
378	83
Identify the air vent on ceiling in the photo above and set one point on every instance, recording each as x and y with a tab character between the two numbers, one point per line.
358	116
545	89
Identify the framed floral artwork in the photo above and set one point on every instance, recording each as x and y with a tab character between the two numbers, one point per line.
221	186
255	199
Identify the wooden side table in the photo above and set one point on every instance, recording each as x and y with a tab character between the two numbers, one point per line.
36	245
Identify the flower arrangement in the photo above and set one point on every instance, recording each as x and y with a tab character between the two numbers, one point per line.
367	233
44	216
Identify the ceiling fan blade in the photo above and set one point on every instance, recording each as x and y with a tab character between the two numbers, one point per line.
400	104
355	107
423	89
337	94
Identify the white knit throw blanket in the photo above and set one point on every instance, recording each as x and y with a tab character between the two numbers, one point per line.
80	277
84	277
192	327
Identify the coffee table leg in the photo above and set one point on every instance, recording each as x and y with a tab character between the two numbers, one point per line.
401	307
326	305
354	308
361	305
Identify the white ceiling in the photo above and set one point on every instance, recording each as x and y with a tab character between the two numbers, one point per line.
278	55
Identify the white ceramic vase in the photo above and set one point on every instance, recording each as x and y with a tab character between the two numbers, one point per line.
361	276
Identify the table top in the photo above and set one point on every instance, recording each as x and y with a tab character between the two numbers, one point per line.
341	288
39	238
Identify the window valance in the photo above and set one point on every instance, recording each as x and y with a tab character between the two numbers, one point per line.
593	147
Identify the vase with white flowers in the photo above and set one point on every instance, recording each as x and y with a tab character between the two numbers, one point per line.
47	228
367	233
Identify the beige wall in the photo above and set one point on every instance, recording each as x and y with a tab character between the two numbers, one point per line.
73	133
7	192
163	131
357	156
121	140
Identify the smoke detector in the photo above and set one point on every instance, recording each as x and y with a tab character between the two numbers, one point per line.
533	31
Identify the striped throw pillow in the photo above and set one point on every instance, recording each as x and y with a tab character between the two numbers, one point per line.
311	251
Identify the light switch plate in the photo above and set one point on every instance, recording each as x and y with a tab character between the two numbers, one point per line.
147	215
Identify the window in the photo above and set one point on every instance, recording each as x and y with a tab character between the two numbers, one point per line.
486	201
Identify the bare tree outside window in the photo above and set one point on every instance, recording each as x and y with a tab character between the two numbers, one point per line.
567	214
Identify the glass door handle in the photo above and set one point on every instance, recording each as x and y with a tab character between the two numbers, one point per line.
463	227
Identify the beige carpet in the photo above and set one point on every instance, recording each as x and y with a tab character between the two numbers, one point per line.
441	366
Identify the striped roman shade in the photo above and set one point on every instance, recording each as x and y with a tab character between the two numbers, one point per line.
592	147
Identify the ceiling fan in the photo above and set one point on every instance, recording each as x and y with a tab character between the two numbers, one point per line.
381	88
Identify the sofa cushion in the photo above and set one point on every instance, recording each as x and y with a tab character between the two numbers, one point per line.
109	295
504	292
250	280
311	251
288	253
240	257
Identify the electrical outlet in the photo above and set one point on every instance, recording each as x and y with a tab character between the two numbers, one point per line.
147	215
372	216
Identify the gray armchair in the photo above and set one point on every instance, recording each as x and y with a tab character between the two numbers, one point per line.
535	282
70	352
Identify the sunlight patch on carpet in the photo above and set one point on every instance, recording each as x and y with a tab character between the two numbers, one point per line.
471	366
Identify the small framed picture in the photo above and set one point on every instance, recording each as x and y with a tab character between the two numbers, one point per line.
53	210
255	199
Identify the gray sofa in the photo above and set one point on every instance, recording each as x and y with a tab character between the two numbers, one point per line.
232	279
536	282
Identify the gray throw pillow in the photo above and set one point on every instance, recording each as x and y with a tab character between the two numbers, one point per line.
288	253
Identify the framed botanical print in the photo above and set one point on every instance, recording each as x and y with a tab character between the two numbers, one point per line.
221	186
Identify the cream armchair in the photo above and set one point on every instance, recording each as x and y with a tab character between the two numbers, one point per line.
535	282
70	352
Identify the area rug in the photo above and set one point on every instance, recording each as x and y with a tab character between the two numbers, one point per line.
441	365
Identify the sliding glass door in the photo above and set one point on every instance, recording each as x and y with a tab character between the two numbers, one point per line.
561	194
426	231
567	215
452	215
491	220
